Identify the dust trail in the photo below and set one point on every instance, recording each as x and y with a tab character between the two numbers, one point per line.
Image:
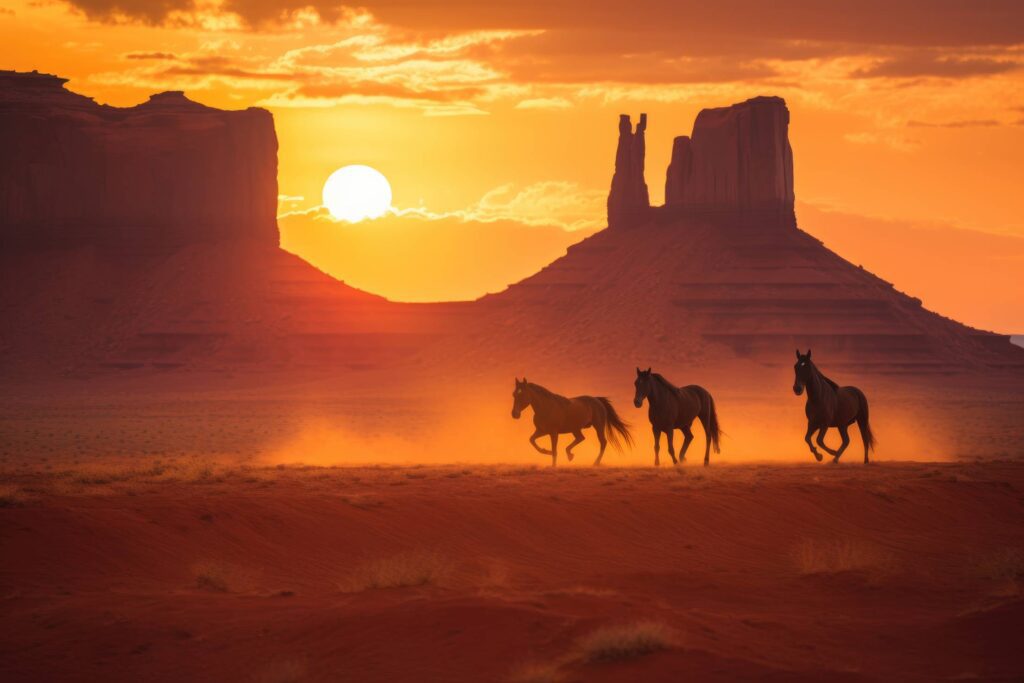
475	426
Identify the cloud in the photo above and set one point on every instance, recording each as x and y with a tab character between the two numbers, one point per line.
972	123
554	203
938	66
544	103
893	141
151	55
363	62
729	24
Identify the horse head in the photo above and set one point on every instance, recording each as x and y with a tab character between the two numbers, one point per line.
802	371
520	398
643	386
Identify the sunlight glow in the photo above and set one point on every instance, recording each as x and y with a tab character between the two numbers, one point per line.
357	192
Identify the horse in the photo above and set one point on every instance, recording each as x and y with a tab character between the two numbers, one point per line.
554	414
830	405
670	407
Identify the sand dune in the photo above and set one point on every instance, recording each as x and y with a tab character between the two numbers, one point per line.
470	573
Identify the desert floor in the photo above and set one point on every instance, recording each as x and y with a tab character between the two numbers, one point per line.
178	569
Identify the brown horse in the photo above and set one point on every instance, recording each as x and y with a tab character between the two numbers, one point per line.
554	414
830	405
670	407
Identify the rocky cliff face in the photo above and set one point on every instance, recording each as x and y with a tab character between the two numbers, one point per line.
737	157
167	172
628	201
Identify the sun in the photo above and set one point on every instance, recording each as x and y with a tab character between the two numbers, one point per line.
354	193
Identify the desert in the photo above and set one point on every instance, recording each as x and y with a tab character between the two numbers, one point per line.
174	569
315	321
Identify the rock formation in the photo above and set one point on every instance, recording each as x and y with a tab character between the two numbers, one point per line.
145	238
738	158
628	201
723	272
167	172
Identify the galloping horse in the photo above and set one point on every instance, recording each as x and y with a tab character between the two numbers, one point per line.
670	407
554	414
830	405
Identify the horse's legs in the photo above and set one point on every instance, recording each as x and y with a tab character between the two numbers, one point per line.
533	441
844	432
554	448
860	425
707	442
811	428
604	442
577	437
669	438
657	445
687	438
821	441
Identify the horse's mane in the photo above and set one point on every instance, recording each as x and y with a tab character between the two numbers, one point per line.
545	392
665	383
823	377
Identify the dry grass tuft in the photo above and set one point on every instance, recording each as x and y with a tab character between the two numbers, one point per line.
362	501
1006	569
417	568
836	557
626	641
283	672
1005	565
211	576
535	672
11	496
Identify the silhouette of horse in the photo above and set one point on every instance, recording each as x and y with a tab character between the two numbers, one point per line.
554	414
670	407
830	405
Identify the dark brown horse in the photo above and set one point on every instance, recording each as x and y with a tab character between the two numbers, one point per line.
554	414
830	405
670	407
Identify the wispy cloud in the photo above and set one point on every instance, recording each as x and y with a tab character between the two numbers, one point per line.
544	103
969	123
553	203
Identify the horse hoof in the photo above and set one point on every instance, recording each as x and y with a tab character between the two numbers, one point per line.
817	456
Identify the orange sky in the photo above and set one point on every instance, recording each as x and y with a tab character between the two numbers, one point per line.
496	122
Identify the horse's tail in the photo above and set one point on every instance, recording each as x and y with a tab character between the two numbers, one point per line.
862	422
614	426
714	430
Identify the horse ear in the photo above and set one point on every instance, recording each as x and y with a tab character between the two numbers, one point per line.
638	373
808	354
798	354
648	371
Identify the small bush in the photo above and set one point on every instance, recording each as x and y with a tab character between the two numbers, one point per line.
283	672
211	576
535	672
11	496
814	557
625	641
398	571
1005	565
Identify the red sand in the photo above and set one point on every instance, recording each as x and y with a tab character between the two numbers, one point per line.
890	572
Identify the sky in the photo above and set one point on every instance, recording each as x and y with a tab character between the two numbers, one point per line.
496	123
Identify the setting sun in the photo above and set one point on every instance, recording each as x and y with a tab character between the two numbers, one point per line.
354	193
